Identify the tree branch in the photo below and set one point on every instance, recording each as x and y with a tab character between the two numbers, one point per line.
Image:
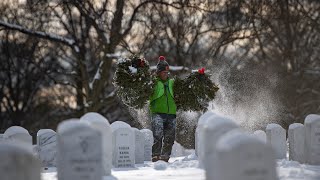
39	34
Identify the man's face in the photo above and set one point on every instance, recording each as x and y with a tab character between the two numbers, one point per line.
163	75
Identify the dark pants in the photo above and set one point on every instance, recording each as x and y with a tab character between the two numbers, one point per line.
163	128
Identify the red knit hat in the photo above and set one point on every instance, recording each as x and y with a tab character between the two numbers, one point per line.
162	64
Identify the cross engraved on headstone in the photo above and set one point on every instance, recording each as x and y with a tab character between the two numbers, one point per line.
84	144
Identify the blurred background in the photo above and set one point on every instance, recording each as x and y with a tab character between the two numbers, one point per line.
58	58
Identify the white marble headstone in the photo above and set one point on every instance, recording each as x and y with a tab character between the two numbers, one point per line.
79	151
201	123
261	135
276	136
139	146
123	140
296	138
241	156
47	147
18	134
148	143
312	148
102	124
18	163
214	128
99	122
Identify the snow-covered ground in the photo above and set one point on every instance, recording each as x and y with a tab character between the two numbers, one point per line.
186	168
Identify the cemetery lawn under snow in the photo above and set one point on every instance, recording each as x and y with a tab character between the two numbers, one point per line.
186	168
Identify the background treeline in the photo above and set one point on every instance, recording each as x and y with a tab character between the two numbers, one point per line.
57	58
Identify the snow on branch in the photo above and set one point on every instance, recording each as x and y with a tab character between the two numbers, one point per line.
173	68
113	55
40	34
97	76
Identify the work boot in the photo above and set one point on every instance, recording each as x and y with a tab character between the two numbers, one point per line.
165	158
155	158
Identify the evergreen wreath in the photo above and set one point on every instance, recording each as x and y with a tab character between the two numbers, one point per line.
194	92
134	81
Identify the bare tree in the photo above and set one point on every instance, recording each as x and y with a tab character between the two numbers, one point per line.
24	72
91	33
26	63
191	34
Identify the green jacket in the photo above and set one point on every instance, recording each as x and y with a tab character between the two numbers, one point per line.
162	99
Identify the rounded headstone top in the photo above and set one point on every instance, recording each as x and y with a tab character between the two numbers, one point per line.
14	130
259	132
295	125
95	118
261	135
312	118
236	138
71	124
217	121
43	131
273	126
119	124
204	117
135	129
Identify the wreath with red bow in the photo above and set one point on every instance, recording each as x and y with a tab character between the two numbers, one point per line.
134	81
195	91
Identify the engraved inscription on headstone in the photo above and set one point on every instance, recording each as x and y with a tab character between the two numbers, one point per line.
124	146
79	151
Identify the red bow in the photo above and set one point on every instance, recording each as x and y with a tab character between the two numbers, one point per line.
162	58
141	63
201	71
